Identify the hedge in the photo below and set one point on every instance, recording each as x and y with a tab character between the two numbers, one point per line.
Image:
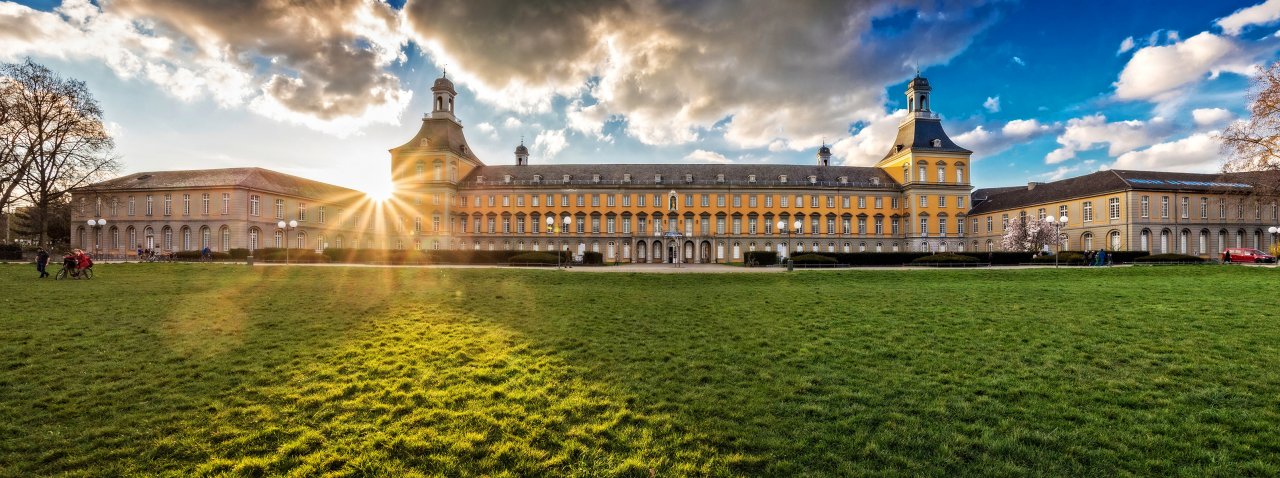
1117	257
534	258
760	258
813	260
592	258
1065	258
10	252
238	253
946	258
1178	258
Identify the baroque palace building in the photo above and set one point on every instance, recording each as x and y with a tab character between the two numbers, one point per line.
916	198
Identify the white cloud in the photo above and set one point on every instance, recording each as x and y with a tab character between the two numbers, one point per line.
1197	153
674	72
321	67
1125	45
1089	132
512	123
485	127
1023	128
871	143
587	119
1019	61
548	144
704	156
1211	116
1261	14
992	105
1161	72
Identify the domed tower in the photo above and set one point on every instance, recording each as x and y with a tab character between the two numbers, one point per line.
824	155
443	91
522	154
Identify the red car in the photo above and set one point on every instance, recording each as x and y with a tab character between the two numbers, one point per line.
1246	255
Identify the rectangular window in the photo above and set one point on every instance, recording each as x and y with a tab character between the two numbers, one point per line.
610	201
520	200
1204	208
609	225
942	226
719	225
942	201
751	225
782	200
706	200
879	225
582	201
535	201
186	205
831	202
893	202
204	204
752	201
924	201
506	225
640	200
895	225
719	200
737	200
799	200
595	200
737	225
924	226
1004	222
131	205
417	225
626	200
862	202
1164	207
844	202
846	226
642	224
768	227
768	201
626	224
1113	208
688	200
989	221
1144	206
321	217
581	224
506	200
493	200
168	205
1186	207
960	202
831	225
226	203
302	211
1088	211
862	226
879	202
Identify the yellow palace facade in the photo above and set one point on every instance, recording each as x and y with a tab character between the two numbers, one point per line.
915	198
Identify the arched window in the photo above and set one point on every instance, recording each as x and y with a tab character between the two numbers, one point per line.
437	170
959	172
1113	240
226	239
167	235
279	239
253	238
439	103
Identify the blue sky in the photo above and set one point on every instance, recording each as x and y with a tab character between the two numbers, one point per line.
1039	90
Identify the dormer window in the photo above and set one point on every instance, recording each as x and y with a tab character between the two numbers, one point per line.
937	143
626	178
479	179
537	178
751	178
844	180
813	179
595	178
506	178
424	143
565	179
719	178
657	178
782	178
875	181
688	178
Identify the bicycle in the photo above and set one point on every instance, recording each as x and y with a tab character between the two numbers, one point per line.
85	274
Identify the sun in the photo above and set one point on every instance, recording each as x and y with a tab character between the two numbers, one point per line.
380	191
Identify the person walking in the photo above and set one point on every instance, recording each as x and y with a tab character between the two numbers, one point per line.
42	262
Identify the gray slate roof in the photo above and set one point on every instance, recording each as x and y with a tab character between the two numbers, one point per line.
918	135
673	175
253	178
441	135
1101	182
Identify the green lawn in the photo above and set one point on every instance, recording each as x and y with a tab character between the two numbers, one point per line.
190	370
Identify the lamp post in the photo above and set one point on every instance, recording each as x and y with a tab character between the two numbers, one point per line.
567	221
551	229
1057	234
782	227
1273	230
286	226
97	233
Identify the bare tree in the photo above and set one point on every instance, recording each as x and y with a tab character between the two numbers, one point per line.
1254	145
55	137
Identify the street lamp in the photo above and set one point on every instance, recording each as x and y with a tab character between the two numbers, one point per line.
1273	230
567	221
286	227
97	233
782	227
1057	234
551	229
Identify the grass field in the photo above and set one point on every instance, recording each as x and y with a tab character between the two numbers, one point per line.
190	370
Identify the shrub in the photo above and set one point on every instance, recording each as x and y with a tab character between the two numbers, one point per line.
761	258
10	252
592	258
186	255
1001	258
238	253
221	256
532	258
813	260
1169	258
946	258
1067	258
